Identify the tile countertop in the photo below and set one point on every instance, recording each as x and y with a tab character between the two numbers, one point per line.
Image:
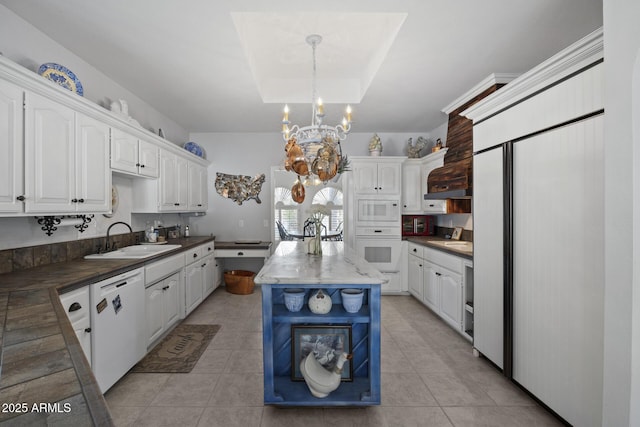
42	361
290	264
438	243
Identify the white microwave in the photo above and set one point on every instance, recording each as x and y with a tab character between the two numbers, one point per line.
378	211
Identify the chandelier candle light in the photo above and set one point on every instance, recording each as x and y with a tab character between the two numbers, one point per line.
314	149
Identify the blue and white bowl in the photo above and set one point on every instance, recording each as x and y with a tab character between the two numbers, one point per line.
352	299
294	299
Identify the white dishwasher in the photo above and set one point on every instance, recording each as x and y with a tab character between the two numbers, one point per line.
118	320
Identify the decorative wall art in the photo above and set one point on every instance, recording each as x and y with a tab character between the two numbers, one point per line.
239	187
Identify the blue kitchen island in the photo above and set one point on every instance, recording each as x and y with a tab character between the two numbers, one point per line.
338	268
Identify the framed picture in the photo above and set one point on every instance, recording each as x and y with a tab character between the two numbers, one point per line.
325	342
457	233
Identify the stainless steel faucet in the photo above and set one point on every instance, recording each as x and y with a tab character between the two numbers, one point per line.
108	247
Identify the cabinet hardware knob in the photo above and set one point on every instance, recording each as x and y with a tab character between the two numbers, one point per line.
141	166
199	204
20	198
415	250
165	288
138	164
209	248
240	253
74	200
176	204
80	200
87	329
419	265
438	274
395	204
74	307
204	265
195	255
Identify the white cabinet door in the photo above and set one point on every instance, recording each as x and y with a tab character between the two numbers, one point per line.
209	275
218	274
193	286
93	177
197	188
49	156
431	292
365	178
11	140
172	304
411	187
124	152
148	154
451	298
389	178
168	182
154	311
182	188
415	277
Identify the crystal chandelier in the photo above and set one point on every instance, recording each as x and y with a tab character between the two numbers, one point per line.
314	151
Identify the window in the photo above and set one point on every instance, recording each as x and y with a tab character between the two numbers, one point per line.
286	210
332	198
293	215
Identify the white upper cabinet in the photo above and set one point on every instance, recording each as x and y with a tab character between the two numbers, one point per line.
11	137
49	156
198	199
93	177
412	186
132	155
58	150
379	176
66	160
170	192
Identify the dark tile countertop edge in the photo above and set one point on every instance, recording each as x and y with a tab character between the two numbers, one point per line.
54	279
427	241
243	245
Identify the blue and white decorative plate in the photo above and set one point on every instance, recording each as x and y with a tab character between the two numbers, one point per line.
194	148
61	75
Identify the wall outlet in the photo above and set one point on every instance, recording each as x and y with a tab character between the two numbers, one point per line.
241	223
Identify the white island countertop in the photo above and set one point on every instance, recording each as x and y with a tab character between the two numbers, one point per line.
290	264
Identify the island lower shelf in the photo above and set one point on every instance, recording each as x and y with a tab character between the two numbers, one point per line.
355	393
280	388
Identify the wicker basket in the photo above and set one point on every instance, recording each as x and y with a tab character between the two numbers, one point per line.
239	282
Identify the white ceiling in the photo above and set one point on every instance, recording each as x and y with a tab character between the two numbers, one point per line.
221	65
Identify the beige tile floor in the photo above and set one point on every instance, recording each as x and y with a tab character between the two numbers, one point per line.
429	378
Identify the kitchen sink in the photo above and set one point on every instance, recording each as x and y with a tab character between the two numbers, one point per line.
458	245
134	252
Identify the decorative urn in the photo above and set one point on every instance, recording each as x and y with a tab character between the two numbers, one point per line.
320	302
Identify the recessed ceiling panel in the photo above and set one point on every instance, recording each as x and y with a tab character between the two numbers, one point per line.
353	47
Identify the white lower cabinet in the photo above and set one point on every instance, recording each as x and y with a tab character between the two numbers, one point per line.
415	276
436	280
76	305
208	276
200	275
162	306
431	287
194	285
450	297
